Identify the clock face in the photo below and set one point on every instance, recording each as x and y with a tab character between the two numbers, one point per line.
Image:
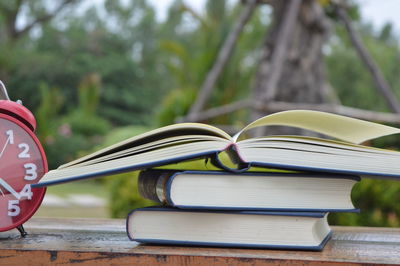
22	163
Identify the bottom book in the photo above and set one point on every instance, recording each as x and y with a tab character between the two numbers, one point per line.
280	230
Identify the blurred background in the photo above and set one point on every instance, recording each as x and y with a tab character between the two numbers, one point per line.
97	72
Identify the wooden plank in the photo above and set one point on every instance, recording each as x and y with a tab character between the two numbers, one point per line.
104	242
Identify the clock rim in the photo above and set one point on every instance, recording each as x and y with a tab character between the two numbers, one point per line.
42	190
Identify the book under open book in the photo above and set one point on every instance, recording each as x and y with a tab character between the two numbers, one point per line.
191	141
283	230
267	191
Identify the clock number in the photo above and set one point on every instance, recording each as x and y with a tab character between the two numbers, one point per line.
10	135
13	205
25	149
13	208
30	171
26	192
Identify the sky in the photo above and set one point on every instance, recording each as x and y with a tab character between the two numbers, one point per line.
378	12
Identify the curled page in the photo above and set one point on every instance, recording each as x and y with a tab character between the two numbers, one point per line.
337	126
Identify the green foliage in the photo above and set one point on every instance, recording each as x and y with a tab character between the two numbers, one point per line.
87	125
119	50
177	103
83	120
47	112
378	202
64	136
89	94
125	196
61	149
350	77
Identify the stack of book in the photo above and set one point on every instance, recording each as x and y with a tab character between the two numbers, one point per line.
237	206
263	210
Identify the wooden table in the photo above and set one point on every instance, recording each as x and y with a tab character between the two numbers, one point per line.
104	242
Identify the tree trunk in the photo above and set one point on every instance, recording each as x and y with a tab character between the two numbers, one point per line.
298	73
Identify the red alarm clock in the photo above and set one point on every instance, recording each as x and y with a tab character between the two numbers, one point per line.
22	163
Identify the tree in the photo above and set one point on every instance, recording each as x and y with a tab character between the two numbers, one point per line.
292	65
120	46
196	51
348	75
35	13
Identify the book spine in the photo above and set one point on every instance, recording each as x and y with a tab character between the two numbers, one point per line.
152	184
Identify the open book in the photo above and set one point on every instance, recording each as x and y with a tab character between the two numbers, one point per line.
188	141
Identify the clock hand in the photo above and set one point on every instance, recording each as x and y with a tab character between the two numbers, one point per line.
5	145
9	188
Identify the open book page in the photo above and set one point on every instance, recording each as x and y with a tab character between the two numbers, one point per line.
155	145
152	137
307	153
318	143
153	158
340	127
